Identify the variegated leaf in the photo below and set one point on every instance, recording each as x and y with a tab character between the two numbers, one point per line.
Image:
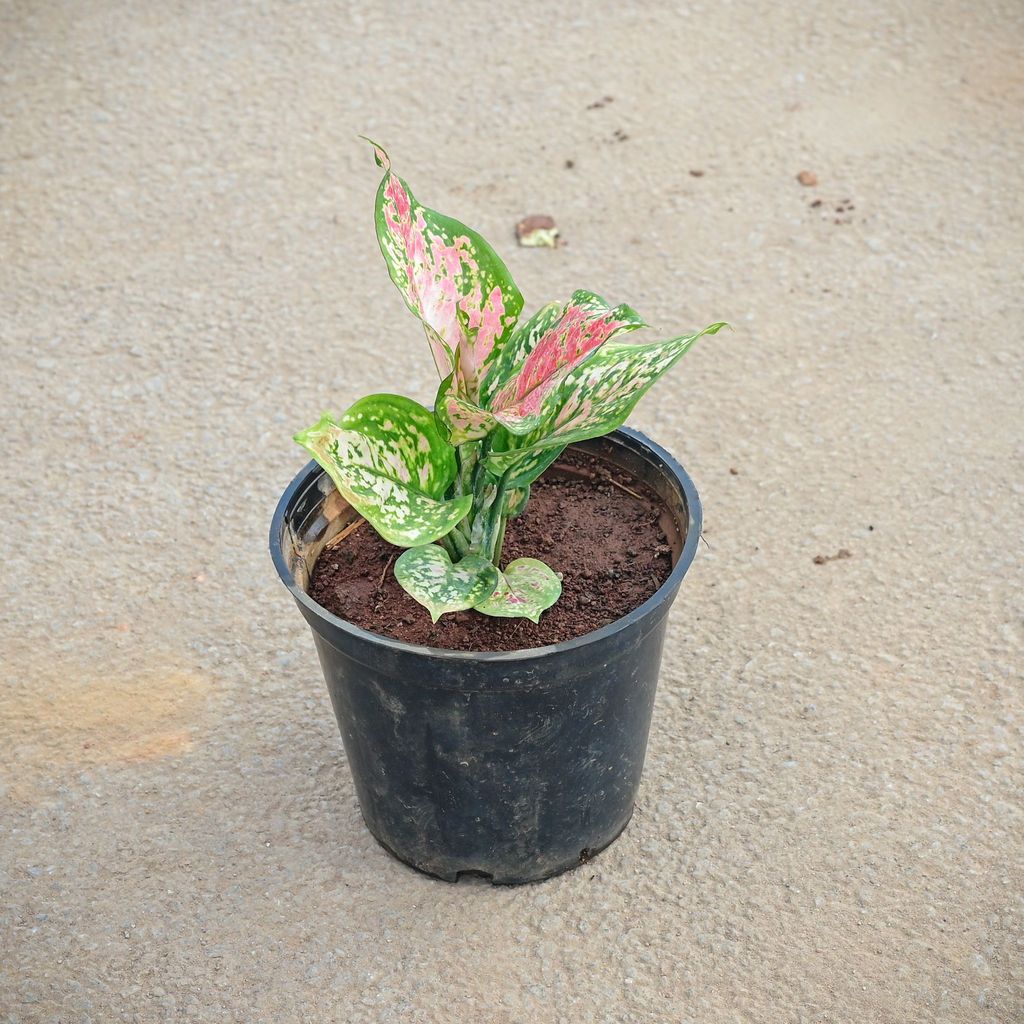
460	417
516	501
597	396
525	589
586	323
389	462
521	464
520	344
427	574
449	277
406	440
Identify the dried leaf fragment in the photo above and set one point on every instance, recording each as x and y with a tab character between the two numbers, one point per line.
537	231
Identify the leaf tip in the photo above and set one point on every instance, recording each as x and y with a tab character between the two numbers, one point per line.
380	155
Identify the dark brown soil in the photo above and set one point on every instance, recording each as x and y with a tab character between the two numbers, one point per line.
595	524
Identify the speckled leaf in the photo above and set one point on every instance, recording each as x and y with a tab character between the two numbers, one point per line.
519	345
516	501
449	277
597	396
407	443
460	417
427	574
522	465
556	346
388	460
526	588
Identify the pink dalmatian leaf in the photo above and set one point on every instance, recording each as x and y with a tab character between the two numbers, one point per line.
596	397
450	278
554	347
525	589
460	417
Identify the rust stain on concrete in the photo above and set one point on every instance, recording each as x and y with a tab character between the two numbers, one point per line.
59	725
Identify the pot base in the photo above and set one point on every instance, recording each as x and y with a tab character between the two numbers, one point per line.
586	855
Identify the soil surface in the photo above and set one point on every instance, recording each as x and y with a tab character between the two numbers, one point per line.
595	524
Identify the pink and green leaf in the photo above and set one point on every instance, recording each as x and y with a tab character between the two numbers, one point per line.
525	589
597	396
450	277
554	347
519	345
427	574
388	460
460	417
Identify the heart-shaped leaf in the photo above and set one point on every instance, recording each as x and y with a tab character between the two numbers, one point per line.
556	346
388	460
526	588
449	277
427	574
597	396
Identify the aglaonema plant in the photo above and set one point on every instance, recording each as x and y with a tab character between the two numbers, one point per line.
444	483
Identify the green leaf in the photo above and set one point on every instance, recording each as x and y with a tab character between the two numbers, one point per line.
450	278
597	396
426	573
516	501
524	465
388	460
526	588
462	419
553	346
406	439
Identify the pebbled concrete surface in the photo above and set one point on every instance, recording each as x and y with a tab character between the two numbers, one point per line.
830	828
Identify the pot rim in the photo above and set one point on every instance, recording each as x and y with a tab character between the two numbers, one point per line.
663	593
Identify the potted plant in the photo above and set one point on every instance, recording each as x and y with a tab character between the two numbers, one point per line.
517	760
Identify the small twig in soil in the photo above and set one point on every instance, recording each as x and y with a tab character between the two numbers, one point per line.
623	487
380	582
351	528
604	478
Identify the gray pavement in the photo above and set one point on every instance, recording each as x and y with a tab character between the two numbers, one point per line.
830	826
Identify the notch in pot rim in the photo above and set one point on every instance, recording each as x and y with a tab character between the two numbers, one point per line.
635	441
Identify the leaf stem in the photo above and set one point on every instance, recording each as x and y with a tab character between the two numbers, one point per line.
499	540
459	542
494	525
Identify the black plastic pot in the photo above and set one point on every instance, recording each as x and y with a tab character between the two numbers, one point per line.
516	765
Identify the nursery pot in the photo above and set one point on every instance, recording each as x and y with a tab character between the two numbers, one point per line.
512	765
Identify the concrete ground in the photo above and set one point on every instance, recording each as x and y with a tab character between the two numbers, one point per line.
830	826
